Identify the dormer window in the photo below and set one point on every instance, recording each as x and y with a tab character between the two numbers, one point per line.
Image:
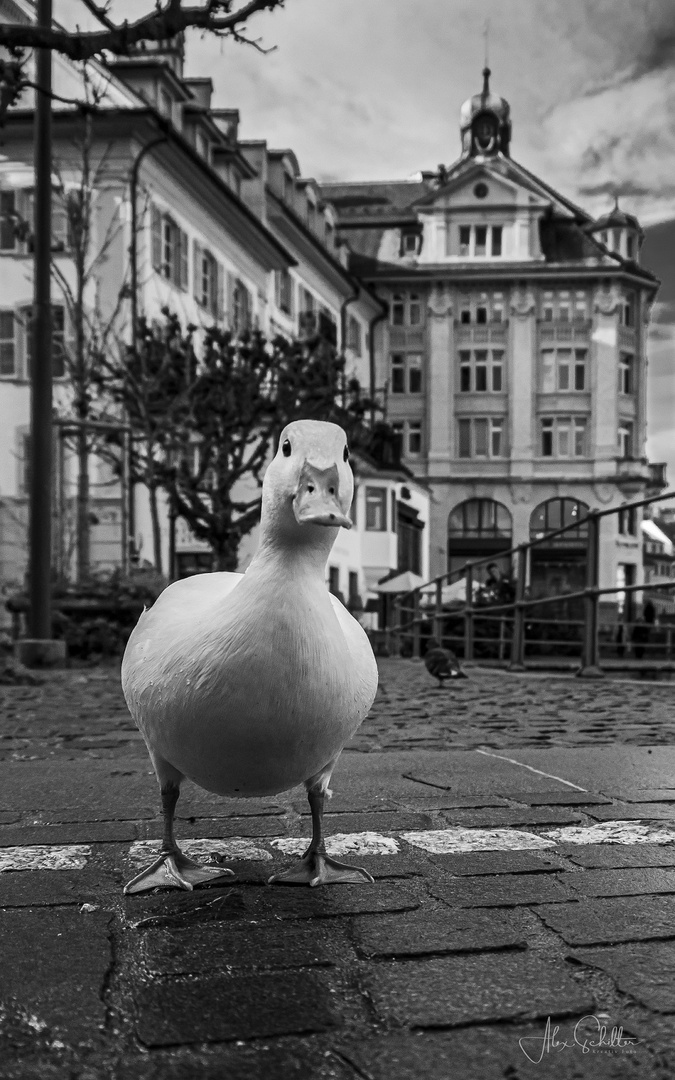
288	187
202	145
409	242
480	241
311	214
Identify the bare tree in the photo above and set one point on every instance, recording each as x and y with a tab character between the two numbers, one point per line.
160	23
210	415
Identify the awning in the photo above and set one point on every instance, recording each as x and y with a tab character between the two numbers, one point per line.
402	583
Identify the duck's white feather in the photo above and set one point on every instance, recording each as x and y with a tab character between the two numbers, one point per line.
249	684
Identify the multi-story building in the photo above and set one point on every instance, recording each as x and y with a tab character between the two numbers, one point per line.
513	359
182	216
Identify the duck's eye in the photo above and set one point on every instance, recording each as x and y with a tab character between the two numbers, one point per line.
286	448
345	456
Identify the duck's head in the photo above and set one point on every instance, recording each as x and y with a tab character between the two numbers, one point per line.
309	482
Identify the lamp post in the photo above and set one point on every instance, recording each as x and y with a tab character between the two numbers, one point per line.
39	648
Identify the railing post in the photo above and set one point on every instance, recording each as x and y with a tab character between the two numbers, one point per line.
416	625
468	614
590	656
438	612
518	639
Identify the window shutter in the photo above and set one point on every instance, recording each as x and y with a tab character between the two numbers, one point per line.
197	271
156	235
219	298
184	250
231	282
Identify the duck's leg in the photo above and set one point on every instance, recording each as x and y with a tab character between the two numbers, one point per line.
172	869
315	867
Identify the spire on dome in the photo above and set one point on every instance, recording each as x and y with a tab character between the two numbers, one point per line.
485	122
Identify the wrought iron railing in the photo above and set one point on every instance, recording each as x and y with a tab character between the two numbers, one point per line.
512	631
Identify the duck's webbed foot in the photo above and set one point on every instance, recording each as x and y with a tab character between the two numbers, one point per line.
173	870
317	868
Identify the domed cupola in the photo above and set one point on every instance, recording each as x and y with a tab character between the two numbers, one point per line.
620	232
485	123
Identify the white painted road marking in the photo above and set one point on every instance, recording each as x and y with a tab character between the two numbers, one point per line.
613	832
531	768
44	857
435	841
235	847
442	841
365	843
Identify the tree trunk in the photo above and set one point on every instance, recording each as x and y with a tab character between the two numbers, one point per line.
156	531
83	523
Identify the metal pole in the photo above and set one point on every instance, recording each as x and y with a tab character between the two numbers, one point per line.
416	625
133	270
518	639
590	657
41	465
468	614
438	612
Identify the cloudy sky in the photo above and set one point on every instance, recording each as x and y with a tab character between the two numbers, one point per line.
371	89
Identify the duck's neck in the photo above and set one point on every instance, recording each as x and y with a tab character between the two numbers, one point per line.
294	558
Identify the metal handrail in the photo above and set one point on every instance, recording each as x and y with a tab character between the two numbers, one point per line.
411	601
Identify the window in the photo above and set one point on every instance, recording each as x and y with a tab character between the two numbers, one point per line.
480	241
481	308
283	291
563	370
354	335
557	514
169	248
483	518
625	439
627	309
334	579
242	308
202	145
409	436
311	214
376	509
630	246
25	323
289	186
481	437
8	237
406	373
208	281
626	361
564	436
7	344
627	521
481	370
330	235
409	242
406	309
563	305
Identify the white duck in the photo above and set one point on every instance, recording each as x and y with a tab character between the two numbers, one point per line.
250	684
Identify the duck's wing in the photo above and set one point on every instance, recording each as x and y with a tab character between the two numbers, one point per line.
361	654
183	603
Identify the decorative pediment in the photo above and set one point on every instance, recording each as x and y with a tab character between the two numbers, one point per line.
479	188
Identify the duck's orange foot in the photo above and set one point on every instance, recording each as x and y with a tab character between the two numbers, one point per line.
318	869
173	870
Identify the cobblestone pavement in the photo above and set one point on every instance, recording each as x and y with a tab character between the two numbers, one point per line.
83	711
449	966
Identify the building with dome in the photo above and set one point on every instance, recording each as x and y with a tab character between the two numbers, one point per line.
512	361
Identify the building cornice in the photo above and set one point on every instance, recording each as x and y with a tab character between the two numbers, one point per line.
267	247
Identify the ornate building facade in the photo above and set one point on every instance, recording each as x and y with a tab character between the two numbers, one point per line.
513	358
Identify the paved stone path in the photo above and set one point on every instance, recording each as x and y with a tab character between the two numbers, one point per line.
448	966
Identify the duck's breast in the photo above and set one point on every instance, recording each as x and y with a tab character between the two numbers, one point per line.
252	694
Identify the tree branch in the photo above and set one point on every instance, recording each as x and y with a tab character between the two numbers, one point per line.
162	24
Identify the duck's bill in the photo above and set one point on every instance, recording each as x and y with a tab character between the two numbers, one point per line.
322	510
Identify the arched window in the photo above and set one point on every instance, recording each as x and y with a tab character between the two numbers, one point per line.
478	528
556	514
480	518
